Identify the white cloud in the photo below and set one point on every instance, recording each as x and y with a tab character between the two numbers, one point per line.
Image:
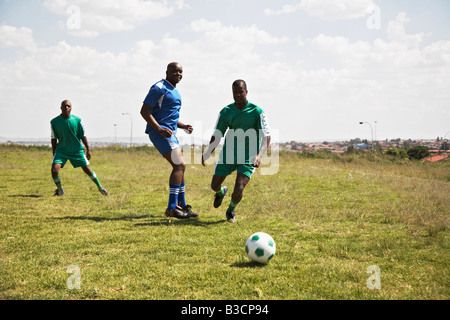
87	18
396	32
327	9
11	37
335	81
228	34
398	79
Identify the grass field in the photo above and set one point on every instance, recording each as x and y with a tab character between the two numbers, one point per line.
331	217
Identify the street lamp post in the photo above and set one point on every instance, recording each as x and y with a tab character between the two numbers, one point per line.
445	143
371	130
131	131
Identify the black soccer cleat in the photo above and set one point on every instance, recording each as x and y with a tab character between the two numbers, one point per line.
188	209
218	199
59	192
178	213
231	216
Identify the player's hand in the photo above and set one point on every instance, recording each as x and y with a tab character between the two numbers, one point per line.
88	155
188	129
256	161
203	161
166	133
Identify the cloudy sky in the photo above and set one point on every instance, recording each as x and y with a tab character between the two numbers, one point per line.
317	67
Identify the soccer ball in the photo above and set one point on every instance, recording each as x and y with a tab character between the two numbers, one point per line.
260	247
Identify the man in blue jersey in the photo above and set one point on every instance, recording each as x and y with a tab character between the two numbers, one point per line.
161	111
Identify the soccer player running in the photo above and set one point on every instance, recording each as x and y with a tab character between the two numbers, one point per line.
161	111
246	142
67	135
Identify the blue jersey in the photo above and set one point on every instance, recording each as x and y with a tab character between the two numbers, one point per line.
165	101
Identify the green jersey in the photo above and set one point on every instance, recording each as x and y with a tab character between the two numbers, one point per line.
246	128
68	132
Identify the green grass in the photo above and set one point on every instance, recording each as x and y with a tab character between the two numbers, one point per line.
331	218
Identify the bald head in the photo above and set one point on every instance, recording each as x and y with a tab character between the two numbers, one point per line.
66	108
174	73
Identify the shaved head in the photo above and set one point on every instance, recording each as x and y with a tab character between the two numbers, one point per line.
174	73
173	65
238	83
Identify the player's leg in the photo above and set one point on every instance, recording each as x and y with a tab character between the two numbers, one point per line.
216	186
244	173
94	179
241	181
175	158
56	167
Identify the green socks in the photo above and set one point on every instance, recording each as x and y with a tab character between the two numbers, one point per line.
57	181
232	205
221	192
95	179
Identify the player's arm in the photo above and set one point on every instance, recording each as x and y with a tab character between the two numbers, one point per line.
88	149
264	128
187	127
146	113
213	143
265	144
219	131
54	141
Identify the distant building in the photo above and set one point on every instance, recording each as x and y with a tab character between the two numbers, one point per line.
436	158
362	146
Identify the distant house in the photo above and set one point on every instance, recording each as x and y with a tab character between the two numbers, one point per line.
362	146
436	158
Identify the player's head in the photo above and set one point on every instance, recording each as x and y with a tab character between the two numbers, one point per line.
240	92
174	73
66	108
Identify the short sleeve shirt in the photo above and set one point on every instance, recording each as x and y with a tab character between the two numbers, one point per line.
69	133
244	130
165	101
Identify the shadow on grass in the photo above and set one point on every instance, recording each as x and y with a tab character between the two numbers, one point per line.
100	219
25	196
247	264
154	220
164	221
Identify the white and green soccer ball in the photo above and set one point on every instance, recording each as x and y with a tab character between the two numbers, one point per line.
260	247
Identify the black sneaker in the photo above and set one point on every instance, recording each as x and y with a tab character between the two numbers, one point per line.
188	209
178	213
218	199
231	216
59	192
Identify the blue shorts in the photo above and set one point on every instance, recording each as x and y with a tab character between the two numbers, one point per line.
162	144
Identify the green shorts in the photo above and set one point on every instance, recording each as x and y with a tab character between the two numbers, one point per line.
224	170
77	160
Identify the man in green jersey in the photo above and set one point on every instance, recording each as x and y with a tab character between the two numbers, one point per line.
246	141
67	135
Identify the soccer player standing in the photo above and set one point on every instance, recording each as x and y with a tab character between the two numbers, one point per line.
246	141
67	135
161	111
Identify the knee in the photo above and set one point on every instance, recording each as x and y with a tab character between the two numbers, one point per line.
215	186
180	167
237	194
55	171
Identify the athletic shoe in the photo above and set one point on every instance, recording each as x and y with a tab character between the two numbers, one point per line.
188	209
231	216
59	192
178	213
103	191
218	199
